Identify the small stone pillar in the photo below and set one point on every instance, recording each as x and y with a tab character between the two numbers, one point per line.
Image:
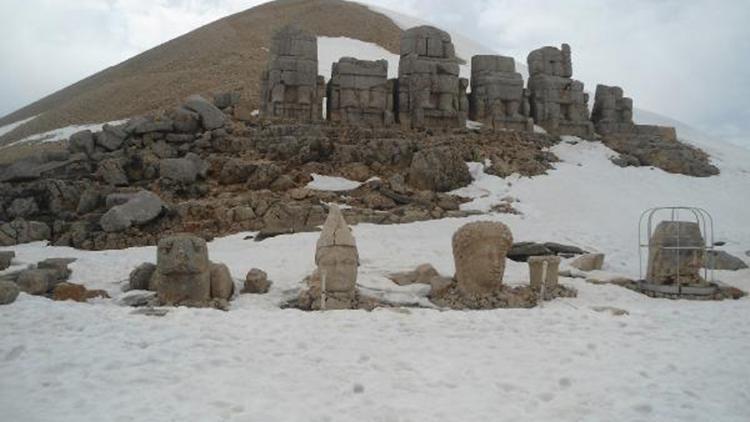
536	270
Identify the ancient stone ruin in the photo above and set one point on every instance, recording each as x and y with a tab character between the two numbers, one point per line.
479	251
540	276
675	254
183	274
359	93
333	284
613	114
498	98
430	92
558	102
291	87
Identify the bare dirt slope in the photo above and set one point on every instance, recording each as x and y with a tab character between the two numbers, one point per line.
228	54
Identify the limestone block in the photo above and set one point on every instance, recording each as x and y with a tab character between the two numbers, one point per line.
536	271
183	270
589	262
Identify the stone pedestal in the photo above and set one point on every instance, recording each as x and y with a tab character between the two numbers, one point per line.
536	271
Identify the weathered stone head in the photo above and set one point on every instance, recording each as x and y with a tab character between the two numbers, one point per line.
479	251
336	254
182	254
551	61
676	253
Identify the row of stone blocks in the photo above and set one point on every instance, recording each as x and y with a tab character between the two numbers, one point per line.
429	92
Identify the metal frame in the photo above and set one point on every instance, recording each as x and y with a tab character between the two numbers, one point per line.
706	225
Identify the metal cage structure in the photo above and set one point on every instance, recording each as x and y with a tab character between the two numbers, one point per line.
705	223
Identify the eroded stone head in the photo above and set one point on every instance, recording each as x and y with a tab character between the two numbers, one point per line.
182	254
479	251
336	254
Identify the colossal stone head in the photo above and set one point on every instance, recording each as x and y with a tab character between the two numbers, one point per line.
479	251
182	254
336	254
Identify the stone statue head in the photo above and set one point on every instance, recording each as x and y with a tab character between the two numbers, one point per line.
182	254
479	251
336	254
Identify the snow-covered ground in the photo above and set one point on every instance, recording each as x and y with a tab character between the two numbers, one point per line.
665	361
11	127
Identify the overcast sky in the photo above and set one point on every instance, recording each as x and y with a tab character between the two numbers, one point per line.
687	59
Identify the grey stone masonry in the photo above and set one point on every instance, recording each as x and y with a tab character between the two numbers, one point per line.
430	92
498	97
359	93
558	103
613	114
290	86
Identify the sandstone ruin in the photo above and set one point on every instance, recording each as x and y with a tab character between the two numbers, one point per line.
675	254
479	251
333	285
613	114
290	86
498	97
537	274
359	93
185	276
558	102
430	92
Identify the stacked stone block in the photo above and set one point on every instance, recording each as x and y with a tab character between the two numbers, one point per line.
359	93
291	87
430	92
613	114
558	102
498	97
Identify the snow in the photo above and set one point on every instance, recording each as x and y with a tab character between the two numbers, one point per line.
331	183
12	126
61	134
331	49
666	360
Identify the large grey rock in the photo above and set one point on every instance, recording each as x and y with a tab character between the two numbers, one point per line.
256	282
21	231
722	260
186	121
140	278
6	257
143	207
521	251
438	169
359	93
90	199
498	97
430	92
22	207
111	137
82	141
111	172
37	281
153	125
8	292
59	268
211	117
226	99
557	102
183	170
290	85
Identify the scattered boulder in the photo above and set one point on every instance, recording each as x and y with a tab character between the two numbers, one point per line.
140	278
721	260
59	267
423	274
256	282
143	207
8	292
90	199
21	231
263	175
82	141
438	169
186	121
226	99
153	125
6	257
521	251
137	299
222	285
69	291
22	207
183	170
589	262
36	281
111	172
211	117
111	137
